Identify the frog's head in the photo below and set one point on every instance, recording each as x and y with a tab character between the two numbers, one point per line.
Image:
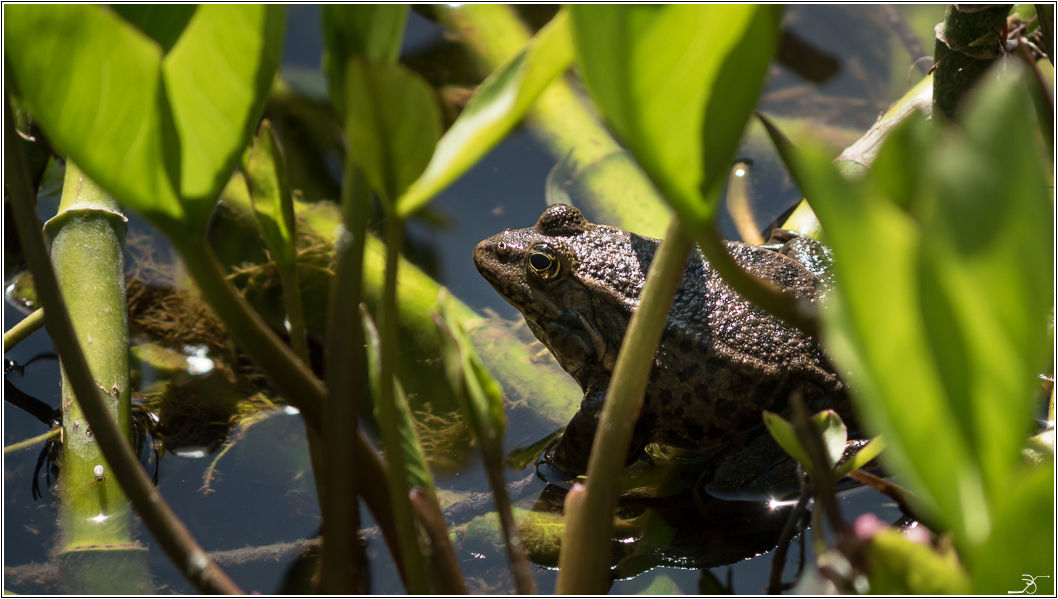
540	271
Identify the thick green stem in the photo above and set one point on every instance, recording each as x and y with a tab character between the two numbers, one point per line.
26	327
166	528
585	560
88	238
414	565
340	563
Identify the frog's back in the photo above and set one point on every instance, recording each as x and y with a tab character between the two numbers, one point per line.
723	360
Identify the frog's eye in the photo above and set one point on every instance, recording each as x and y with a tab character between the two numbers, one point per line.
542	261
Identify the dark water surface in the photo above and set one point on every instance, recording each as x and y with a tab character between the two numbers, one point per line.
264	493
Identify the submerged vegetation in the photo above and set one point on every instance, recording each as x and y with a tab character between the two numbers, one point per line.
280	297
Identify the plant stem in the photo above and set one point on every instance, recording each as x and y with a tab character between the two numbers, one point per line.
512	542
959	54
414	565
340	563
288	279
167	529
443	562
585	558
26	327
293	379
17	447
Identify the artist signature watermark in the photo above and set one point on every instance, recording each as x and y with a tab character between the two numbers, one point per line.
1030	585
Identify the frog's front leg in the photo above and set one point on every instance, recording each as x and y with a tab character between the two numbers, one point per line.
574	341
573	448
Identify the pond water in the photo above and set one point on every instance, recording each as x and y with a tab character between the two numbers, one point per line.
263	496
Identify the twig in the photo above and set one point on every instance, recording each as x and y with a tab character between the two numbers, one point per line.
16	447
778	560
23	329
908	37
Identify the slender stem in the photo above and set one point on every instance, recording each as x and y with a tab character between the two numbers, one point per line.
288	278
585	559
17	447
340	563
444	565
523	577
778	560
293	379
415	566
822	476
23	329
292	376
167	529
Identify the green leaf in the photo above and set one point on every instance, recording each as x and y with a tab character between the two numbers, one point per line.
217	79
418	471
393	122
498	105
827	422
479	393
866	453
266	178
161	22
901	162
942	334
873	328
654	71
371	31
161	134
1023	538
987	273
783	432
834	434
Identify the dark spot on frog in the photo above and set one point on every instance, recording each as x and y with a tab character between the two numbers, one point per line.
694	431
686	346
687	372
702	393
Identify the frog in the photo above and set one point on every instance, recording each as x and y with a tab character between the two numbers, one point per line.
721	360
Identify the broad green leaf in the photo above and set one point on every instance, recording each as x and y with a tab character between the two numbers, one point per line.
371	31
874	330
1022	541
266	178
900	566
498	105
217	78
866	453
987	273
414	458
654	71
161	134
93	81
392	122
901	162
161	22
